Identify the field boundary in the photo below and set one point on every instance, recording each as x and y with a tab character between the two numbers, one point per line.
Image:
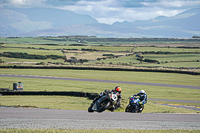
141	69
51	93
88	95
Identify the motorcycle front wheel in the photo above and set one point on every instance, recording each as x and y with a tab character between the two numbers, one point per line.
128	109
90	108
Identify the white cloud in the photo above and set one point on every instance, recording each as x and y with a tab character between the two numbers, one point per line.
103	2
103	11
110	11
172	3
110	14
19	2
25	3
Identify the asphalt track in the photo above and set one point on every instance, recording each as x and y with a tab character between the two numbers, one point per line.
104	81
80	119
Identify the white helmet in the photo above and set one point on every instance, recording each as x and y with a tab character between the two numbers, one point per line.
142	92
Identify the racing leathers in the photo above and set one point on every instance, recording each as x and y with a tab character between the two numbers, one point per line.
143	100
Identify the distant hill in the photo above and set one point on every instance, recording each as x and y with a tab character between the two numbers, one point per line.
13	22
53	22
58	18
185	24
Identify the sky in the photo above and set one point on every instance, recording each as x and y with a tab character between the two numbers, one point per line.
111	11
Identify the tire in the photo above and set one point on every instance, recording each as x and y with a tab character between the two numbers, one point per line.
111	109
140	111
90	108
106	104
127	109
131	108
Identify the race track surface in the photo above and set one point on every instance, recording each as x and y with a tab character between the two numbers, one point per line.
80	119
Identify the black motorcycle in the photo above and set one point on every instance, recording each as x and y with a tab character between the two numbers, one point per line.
106	102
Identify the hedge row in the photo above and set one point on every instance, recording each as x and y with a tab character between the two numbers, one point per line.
29	56
144	69
51	93
166	52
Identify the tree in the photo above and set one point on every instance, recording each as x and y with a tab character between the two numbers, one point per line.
196	37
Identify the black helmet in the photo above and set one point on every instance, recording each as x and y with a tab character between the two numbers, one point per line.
118	89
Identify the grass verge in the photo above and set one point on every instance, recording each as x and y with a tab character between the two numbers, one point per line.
153	92
150	77
77	103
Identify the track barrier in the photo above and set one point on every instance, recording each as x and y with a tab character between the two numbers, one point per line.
51	93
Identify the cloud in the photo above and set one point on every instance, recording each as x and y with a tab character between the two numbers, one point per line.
97	9
173	3
110	11
23	3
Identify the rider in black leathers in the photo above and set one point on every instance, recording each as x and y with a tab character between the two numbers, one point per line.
117	90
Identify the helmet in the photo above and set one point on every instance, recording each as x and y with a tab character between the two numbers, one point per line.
118	89
142	92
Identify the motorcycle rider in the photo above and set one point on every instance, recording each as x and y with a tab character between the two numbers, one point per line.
117	90
143	99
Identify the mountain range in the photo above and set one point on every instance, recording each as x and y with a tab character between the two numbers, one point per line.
34	22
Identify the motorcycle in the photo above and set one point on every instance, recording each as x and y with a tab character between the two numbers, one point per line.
133	105
106	102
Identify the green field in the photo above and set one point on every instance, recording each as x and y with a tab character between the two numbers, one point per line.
60	102
150	77
181	53
187	65
29	40
99	41
166	49
39	46
33	51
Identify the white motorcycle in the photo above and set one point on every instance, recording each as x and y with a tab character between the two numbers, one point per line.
106	102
